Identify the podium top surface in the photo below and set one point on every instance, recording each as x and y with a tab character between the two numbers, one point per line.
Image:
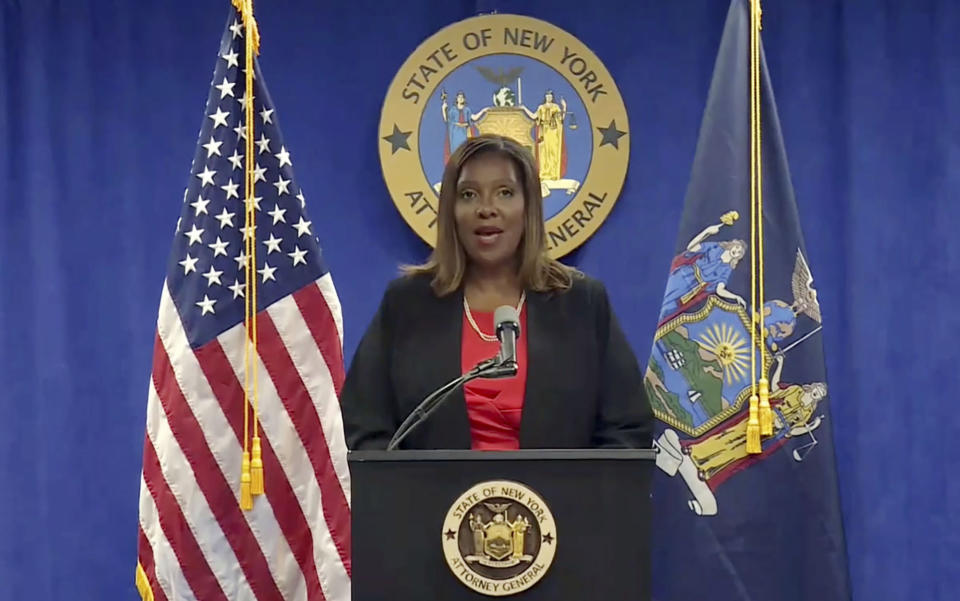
521	455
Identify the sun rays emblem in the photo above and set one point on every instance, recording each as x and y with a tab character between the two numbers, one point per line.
699	371
730	349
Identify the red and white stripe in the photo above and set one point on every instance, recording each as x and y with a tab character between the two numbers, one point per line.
195	542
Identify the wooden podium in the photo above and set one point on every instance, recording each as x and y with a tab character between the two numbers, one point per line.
527	525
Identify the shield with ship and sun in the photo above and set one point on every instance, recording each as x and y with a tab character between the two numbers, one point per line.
700	368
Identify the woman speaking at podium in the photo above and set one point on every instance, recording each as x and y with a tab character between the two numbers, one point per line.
577	384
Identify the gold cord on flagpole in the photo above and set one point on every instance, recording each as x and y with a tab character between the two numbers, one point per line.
246	497
754	420
248	20
251	473
766	414
256	464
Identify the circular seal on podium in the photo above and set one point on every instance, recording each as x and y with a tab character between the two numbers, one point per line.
499	538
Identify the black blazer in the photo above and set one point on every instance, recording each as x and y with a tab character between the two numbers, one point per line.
584	388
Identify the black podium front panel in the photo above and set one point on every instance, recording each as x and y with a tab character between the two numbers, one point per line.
599	500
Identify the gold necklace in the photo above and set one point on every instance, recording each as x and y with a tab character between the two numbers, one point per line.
476	328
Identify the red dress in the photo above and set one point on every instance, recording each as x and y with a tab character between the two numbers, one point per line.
493	406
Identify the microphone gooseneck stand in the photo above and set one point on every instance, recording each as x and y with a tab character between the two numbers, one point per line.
491	368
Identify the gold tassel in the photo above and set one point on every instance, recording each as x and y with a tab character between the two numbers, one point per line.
753	427
246	499
766	413
256	469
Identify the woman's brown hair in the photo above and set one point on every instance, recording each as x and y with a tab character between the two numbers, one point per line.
448	261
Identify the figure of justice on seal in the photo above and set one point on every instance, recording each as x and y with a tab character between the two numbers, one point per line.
541	130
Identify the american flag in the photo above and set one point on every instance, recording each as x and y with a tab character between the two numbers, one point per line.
195	541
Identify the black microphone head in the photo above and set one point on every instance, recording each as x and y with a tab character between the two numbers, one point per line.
506	317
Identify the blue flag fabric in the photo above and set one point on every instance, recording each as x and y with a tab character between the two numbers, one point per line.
730	525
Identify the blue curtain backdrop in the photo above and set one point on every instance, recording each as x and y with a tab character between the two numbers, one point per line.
101	102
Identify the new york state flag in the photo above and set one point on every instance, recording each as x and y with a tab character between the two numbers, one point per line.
733	525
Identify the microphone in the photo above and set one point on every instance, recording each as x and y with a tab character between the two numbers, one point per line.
507	324
504	365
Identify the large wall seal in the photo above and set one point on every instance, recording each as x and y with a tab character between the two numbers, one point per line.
519	77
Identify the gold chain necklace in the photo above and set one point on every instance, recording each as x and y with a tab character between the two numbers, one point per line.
476	328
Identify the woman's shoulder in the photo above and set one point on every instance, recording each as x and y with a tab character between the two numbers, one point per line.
584	288
585	302
405	297
409	287
588	284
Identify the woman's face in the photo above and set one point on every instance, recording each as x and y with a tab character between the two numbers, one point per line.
489	210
